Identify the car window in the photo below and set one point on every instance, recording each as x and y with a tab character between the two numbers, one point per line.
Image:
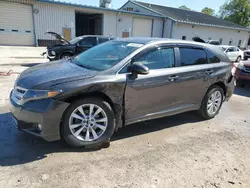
231	49
192	56
214	42
88	41
101	40
212	58
158	59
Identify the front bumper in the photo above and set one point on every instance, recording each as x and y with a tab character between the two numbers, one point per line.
46	112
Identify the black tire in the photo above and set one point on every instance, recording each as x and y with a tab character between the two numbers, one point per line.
245	58
238	59
66	134
65	55
203	112
239	83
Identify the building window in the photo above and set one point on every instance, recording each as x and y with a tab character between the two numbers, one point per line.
239	43
230	42
184	37
130	9
220	40
209	38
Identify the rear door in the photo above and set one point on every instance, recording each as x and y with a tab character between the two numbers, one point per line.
194	75
86	43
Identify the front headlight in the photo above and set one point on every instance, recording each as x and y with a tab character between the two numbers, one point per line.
240	66
41	94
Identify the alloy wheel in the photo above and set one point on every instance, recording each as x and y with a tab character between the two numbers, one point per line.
214	102
88	122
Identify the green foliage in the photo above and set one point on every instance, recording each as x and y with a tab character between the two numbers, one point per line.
184	7
208	11
237	11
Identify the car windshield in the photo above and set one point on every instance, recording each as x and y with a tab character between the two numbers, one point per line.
75	40
105	55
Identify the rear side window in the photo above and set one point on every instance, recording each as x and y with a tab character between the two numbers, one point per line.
101	40
192	56
212	58
88	41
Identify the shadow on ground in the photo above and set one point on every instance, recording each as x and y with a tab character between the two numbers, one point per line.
242	91
19	148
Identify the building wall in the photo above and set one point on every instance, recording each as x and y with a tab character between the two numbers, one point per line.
157	28
214	33
167	28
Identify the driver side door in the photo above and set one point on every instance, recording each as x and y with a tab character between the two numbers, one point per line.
85	44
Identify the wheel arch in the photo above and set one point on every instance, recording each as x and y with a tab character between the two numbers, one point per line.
221	85
65	51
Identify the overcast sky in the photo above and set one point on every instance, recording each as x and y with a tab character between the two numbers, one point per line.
197	5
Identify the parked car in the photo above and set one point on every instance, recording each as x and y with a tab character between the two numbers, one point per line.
246	54
213	42
66	49
233	52
242	74
84	99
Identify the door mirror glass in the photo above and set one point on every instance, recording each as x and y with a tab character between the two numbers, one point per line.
139	68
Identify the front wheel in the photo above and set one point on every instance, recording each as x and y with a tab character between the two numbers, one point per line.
65	56
211	103
88	122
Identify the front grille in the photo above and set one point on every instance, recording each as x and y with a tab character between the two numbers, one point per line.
17	94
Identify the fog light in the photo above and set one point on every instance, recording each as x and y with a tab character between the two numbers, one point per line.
39	127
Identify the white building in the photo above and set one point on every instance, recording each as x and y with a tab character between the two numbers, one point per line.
185	24
24	22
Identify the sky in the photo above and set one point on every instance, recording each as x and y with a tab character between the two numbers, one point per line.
196	5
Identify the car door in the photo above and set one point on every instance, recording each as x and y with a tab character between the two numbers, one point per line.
86	43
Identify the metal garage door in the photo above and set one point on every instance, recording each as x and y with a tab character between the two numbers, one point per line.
142	27
16	24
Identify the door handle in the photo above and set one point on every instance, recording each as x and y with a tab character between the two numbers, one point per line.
173	78
208	72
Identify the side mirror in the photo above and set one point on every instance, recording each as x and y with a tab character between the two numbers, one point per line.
139	68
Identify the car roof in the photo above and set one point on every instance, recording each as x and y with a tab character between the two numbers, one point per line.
100	36
148	40
227	46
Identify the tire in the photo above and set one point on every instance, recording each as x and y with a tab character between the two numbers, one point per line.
204	111
239	83
245	58
65	55
82	139
238	59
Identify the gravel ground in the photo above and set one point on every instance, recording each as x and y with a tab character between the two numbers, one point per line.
177	151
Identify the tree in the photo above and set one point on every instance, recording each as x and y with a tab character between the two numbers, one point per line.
184	7
237	11
208	11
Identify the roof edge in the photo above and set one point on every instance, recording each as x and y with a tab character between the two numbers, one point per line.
97	8
211	25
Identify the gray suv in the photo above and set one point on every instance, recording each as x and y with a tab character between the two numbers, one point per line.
83	100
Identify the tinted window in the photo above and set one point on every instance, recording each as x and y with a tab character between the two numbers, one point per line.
231	49
214	42
88	41
212	58
191	56
158	59
101	40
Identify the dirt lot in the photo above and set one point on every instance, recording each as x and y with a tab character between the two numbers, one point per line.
178	151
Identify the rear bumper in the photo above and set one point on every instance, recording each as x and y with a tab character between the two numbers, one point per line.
229	89
27	117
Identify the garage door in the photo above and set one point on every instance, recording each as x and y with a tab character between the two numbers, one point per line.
142	27
16	24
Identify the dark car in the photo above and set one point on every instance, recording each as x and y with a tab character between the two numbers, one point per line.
84	99
246	54
66	49
242	74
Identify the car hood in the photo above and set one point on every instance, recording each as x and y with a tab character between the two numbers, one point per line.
47	75
58	37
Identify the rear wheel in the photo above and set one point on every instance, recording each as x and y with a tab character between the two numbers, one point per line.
88	122
211	103
239	83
